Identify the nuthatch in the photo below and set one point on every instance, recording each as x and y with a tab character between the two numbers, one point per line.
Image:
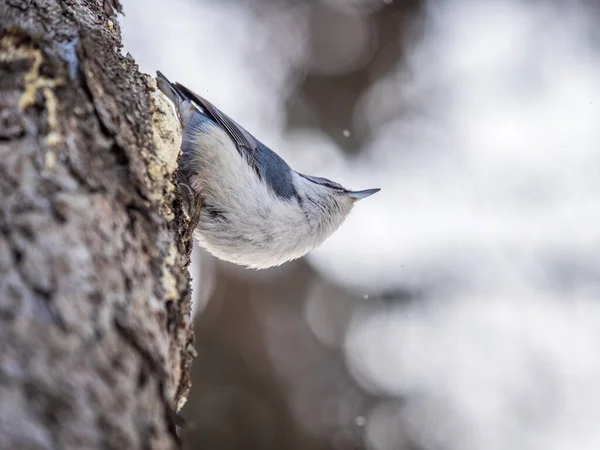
254	209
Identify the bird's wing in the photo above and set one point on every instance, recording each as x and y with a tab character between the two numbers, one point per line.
246	144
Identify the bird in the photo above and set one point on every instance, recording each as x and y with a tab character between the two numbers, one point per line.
252	208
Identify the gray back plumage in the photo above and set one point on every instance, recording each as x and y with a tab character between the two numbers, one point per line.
275	172
270	167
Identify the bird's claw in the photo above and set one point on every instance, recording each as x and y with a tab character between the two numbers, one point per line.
192	204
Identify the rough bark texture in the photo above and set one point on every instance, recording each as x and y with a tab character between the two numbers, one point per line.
95	342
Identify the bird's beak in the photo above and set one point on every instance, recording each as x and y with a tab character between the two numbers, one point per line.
359	195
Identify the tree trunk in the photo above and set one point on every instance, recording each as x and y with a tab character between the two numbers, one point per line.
95	338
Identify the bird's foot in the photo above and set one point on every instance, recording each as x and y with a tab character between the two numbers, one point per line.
192	204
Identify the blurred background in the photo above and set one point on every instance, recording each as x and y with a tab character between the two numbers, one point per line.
459	308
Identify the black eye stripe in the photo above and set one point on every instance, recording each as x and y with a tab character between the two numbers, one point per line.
322	182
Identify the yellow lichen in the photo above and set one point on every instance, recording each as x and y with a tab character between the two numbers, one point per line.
49	160
11	50
155	171
168	280
166	133
166	129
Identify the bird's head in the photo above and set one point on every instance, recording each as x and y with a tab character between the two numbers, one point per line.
328	202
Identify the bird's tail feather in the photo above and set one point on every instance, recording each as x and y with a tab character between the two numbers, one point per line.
169	89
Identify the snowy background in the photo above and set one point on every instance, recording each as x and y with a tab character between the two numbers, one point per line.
459	308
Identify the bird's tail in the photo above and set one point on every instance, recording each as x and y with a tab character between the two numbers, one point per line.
170	89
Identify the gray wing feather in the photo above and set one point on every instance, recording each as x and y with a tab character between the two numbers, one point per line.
246	143
267	165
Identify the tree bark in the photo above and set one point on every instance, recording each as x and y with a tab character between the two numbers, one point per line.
95	337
